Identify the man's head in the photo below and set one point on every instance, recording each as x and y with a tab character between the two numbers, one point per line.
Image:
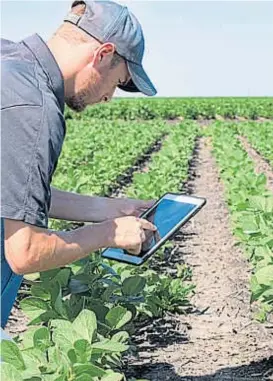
99	47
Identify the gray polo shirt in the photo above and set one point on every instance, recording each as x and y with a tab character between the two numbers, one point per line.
32	128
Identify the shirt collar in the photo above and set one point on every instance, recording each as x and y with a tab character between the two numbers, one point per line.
46	59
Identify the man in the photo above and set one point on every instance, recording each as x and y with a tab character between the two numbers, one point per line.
99	46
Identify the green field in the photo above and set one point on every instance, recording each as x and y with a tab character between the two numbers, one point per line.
82	317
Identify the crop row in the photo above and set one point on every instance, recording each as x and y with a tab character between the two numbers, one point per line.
251	206
96	152
82	315
171	108
260	137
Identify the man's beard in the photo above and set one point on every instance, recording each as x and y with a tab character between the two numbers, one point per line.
76	102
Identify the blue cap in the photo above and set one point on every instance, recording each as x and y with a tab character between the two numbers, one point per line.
108	21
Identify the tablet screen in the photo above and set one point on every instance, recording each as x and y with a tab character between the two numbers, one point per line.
165	217
170	211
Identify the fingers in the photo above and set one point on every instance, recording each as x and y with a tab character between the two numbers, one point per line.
143	236
137	249
146	225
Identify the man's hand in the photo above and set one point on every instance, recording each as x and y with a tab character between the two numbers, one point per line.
128	233
121	207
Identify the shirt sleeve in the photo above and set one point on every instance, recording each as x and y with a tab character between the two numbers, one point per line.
25	165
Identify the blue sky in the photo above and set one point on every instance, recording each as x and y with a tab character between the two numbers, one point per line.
193	48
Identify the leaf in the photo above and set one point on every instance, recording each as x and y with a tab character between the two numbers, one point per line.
83	350
56	299
86	324
27	337
72	356
59	360
264	275
91	369
121	337
77	287
34	359
33	307
60	276
9	373
11	354
113	377
109	346
41	339
40	292
83	377
49	274
32	277
64	335
133	285
118	317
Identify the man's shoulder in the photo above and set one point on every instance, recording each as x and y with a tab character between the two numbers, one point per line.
7	46
19	85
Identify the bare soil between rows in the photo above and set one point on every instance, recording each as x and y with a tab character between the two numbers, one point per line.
219	340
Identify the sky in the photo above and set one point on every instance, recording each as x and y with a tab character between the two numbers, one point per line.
193	48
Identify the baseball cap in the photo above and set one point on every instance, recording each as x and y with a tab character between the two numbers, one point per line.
108	21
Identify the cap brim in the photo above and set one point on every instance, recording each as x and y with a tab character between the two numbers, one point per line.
140	81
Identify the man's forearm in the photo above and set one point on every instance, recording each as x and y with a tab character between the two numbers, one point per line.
76	207
53	249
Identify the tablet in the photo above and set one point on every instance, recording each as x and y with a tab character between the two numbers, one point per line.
168	214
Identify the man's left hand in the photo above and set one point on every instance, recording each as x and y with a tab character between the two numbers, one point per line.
119	207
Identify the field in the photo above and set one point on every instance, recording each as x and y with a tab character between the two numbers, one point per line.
202	308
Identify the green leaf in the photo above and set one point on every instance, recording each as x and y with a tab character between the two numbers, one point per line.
34	359
83	377
113	377
11	354
40	292
56	299
83	350
41	339
133	285
118	317
91	369
49	274
59	360
9	373
27	337
60	276
264	275
64	335
33	307
86	324
72	356
109	346
121	337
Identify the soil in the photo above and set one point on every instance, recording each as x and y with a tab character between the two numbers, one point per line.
17	322
219	340
261	165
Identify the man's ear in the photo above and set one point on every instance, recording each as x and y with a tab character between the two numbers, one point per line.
103	55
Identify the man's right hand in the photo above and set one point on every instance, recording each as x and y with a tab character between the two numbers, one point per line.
127	233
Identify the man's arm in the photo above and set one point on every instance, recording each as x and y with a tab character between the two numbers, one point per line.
76	207
30	249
